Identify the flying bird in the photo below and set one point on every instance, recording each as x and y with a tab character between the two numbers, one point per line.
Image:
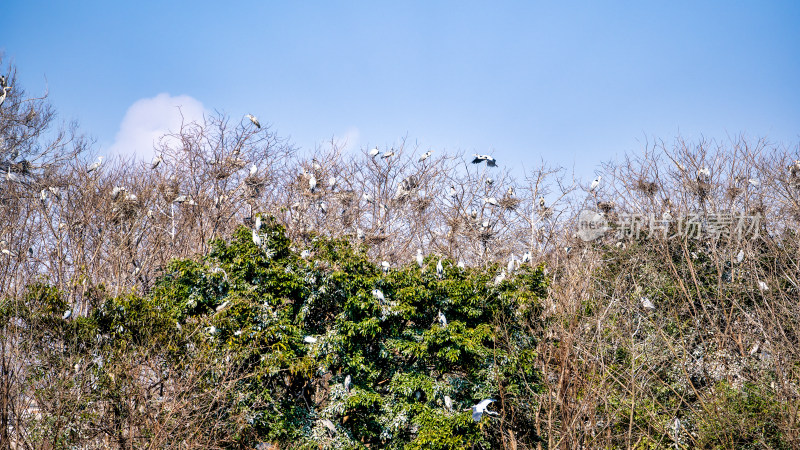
491	162
481	408
254	120
425	155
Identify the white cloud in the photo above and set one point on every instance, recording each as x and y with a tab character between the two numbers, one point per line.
150	118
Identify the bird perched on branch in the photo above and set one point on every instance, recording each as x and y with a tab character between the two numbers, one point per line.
156	161
254	120
95	166
425	155
374	152
491	162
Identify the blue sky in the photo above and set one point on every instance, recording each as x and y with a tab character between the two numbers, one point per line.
573	83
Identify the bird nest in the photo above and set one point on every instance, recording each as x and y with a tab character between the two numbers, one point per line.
648	188
733	192
376	239
344	197
168	190
701	188
509	202
420	205
485	235
606	207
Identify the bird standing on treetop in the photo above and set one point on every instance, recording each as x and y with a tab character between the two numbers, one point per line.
425	155
156	161
595	183
374	152
96	165
254	120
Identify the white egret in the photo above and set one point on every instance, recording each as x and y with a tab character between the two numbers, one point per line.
310	340
439	268
3	95
703	173
481	408
473	213
312	182
647	304
388	154
43	195
368	198
329	425
223	305
347	383
442	319
156	161
491	162
420	259
740	256
425	155
485	223
131	197
453	192
254	120
491	200
359	234
67	314
499	279
331	182
256	238
754	181
305	254
315	164
595	184
510	191
253	170
763	286
385	266
374	152
378	294
511	262
489	181
55	190
526	257
448	402
323	207
11	176
115	193
96	165
258	223
460	264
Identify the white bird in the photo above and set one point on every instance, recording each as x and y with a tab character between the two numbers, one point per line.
347	383
256	238
331	182
11	176
499	279
385	266
647	304
305	254
315	164
510	191
43	195
420	259
491	200
448	402
117	191
541	203
703	173
378	295
254	120
425	155
368	198
323	207
491	162
67	314
595	183
511	262
55	190
439	269
312	182
181	199
374	152
310	340
489	181
481	408
3	96
359	234
329	425
131	197
763	286
258	223
95	166
253	170
156	161
740	256
442	319
388	154
453	192
754	181
223	305
526	257
460	264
